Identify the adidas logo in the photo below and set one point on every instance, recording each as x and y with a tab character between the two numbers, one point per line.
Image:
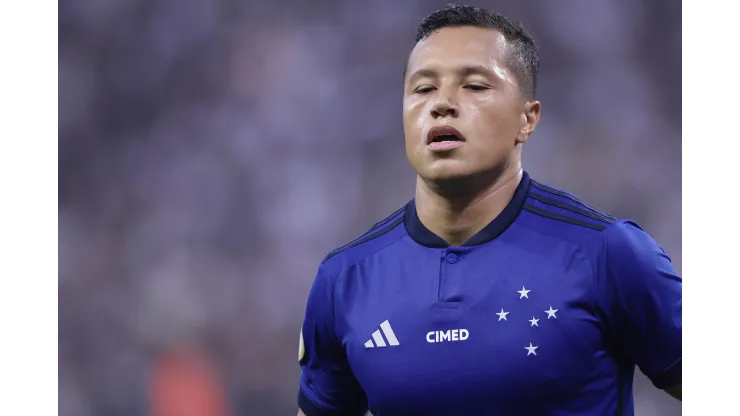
385	327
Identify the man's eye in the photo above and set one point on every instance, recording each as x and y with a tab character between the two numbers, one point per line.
475	87
424	90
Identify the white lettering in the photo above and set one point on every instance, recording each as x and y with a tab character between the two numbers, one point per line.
448	335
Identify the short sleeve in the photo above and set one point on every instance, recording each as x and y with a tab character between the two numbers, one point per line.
327	385
642	300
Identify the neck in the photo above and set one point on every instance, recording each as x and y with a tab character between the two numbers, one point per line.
456	216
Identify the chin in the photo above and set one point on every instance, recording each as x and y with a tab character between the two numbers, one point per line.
447	172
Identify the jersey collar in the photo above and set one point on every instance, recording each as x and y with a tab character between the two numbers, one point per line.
423	236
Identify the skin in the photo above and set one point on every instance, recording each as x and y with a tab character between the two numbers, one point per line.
461	77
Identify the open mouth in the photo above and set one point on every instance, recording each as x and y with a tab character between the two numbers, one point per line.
441	134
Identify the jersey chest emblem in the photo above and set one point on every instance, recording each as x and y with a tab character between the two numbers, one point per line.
380	336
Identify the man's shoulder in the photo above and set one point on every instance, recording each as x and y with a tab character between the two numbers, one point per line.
558	216
379	236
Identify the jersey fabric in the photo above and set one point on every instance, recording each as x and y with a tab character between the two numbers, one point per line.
546	311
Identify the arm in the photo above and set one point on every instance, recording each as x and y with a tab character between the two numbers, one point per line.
674	391
327	385
642	296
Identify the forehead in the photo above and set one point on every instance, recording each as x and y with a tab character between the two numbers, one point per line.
457	46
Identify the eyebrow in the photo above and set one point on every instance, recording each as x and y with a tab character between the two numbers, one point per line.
463	71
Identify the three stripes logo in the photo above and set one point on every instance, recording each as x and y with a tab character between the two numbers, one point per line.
390	336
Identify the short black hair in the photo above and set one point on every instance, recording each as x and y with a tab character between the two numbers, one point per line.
523	59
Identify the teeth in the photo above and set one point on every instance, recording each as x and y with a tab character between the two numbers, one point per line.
446	138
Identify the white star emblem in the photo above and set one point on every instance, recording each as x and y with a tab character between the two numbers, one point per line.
534	321
551	313
531	349
523	293
502	314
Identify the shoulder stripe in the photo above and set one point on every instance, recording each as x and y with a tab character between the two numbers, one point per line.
387	219
554	191
373	228
365	239
594	215
563	218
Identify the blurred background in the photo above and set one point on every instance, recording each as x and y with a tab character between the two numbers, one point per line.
213	151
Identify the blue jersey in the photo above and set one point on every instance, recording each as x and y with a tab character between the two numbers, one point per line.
546	311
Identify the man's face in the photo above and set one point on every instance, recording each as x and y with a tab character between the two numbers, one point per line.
459	77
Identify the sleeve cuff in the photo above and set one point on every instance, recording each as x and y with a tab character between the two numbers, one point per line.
668	378
309	408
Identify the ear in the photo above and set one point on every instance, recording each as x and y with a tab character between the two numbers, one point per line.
530	117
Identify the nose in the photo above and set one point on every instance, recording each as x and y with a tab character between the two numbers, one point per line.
444	106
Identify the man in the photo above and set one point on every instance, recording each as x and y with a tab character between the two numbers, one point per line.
488	293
